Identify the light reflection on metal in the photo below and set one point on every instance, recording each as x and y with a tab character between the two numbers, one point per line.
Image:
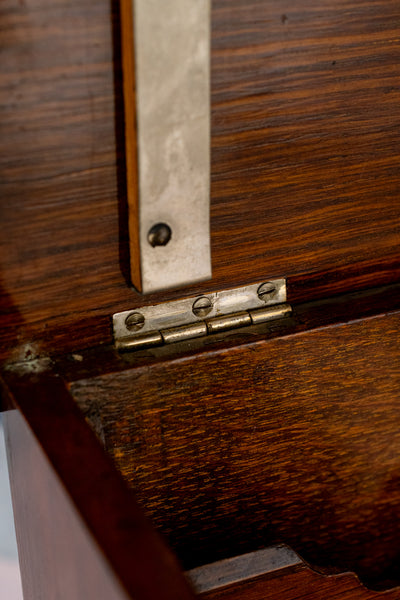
189	318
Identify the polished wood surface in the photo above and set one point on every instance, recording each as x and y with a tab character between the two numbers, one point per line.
294	439
54	547
305	159
80	531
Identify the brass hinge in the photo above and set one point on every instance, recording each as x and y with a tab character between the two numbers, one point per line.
190	318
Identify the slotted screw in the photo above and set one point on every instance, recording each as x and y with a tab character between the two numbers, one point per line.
134	321
266	290
202	306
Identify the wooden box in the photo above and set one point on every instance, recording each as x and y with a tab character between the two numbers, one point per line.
263	462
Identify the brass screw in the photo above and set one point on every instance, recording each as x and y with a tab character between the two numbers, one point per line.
265	291
134	321
202	306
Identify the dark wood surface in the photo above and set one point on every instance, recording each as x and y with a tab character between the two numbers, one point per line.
305	158
294	439
80	531
86	364
299	583
277	573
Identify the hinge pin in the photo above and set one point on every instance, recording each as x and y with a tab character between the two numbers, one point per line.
217	312
203	328
147	340
239	319
186	332
270	313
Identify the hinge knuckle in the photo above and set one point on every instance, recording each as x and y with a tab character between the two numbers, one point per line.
192	318
262	315
186	332
142	341
239	319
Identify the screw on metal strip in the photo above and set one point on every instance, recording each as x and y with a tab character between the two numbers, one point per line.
202	306
197	317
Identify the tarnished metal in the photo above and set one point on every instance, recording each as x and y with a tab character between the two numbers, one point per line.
266	290
243	567
239	319
197	317
202	306
159	235
140	341
240	568
134	321
178	334
180	312
172	70
262	315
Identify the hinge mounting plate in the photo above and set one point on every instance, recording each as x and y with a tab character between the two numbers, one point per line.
200	316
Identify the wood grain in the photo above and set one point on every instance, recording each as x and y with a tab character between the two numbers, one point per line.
76	519
293	439
276	572
130	130
305	158
51	532
299	583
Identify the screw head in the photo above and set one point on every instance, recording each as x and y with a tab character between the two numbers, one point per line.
202	306
159	235
266	290
134	321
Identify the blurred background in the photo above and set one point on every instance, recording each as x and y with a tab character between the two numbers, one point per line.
10	582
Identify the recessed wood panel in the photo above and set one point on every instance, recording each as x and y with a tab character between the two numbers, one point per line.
305	157
292	440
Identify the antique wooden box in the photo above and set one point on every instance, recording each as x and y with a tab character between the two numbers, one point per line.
260	462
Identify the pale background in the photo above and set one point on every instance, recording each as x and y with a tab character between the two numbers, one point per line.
10	583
